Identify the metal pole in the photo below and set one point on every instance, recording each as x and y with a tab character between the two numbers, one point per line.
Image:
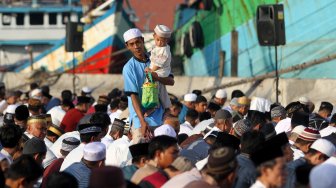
276	75
73	73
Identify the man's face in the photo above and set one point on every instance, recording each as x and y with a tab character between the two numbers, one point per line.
136	46
276	175
37	129
167	156
224	125
243	109
190	105
201	107
160	41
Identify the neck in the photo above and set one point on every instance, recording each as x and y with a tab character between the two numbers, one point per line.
264	181
11	151
142	57
210	180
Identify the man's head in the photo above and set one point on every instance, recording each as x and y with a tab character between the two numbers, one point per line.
320	151
213	108
163	149
103	119
10	97
223	120
37	126
306	139
220	97
34	106
117	129
201	104
54	132
139	153
221	166
278	113
68	144
189	100
175	108
89	132
135	42
83	103
244	105
24	172
94	154
66	95
161	35
192	117
36	148
10	136
325	109
251	141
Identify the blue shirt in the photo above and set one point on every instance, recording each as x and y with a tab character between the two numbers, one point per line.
81	172
246	172
134	78
196	151
183	113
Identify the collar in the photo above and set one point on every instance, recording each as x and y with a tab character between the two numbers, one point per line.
141	61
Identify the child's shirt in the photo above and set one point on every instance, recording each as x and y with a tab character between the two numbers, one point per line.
161	57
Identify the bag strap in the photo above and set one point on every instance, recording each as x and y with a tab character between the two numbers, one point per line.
150	77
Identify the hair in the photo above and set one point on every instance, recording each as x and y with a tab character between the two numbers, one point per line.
10	135
268	130
66	95
267	164
91	164
302	142
100	108
256	118
160	143
67	103
251	141
237	93
25	167
176	103
33	86
61	179
137	159
114	104
123	102
50	133
200	99
86	138
326	106
197	92
101	118
312	151
204	116
333	118
181	138
192	114
34	108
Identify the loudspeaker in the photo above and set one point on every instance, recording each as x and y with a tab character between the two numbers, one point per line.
74	37
271	25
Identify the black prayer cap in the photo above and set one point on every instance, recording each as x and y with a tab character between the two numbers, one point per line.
89	128
138	150
270	150
83	99
227	140
33	146
300	118
21	113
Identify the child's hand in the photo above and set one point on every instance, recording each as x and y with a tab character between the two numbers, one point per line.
147	69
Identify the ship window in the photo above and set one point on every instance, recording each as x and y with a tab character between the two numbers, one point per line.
52	18
6	18
65	17
20	19
36	18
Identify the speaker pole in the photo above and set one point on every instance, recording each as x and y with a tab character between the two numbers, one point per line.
276	75
73	74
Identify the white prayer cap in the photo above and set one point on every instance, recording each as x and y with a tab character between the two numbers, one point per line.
35	92
298	129
324	146
11	109
323	176
304	100
260	104
94	151
162	31
190	97
57	115
221	93
87	89
165	130
131	34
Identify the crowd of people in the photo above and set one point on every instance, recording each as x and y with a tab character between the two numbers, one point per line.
112	141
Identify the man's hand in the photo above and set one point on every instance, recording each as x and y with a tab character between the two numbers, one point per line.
144	128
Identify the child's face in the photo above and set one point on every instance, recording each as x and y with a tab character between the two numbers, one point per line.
160	41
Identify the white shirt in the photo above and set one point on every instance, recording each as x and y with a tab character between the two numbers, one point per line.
107	140
202	126
258	184
113	115
75	155
47	142
215	128
181	180
7	155
118	153
284	126
57	115
56	147
327	131
331	160
161	57
50	157
186	128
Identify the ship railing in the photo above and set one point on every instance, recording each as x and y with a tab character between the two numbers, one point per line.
99	11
